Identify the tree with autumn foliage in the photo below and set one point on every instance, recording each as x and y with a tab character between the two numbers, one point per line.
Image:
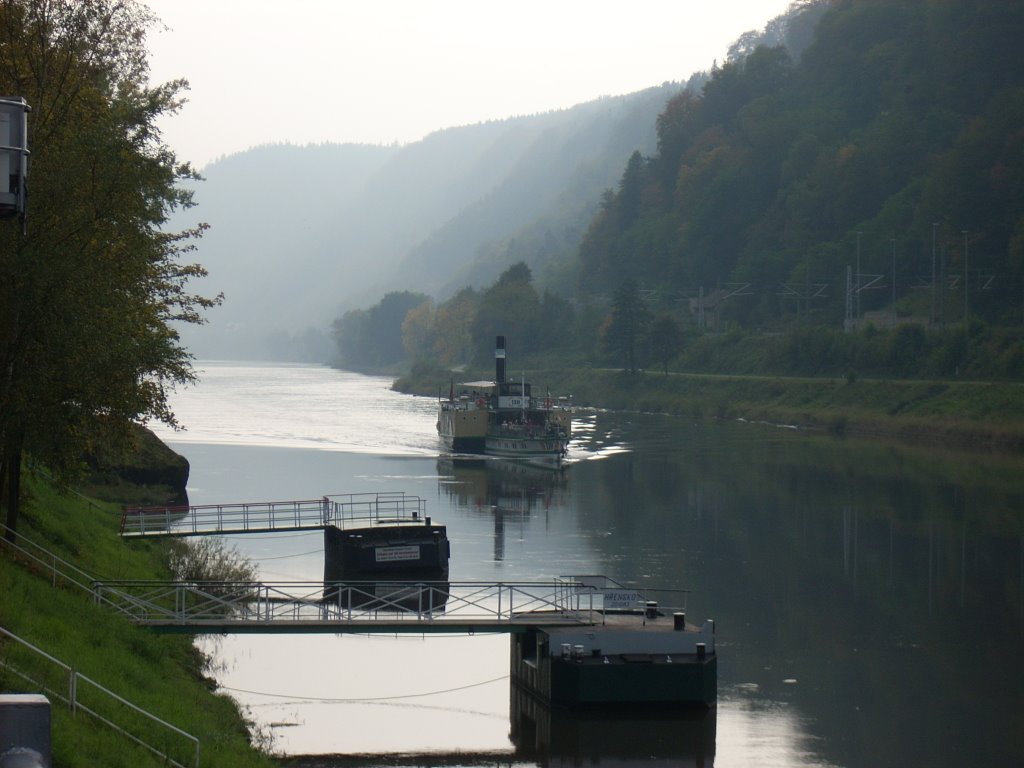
90	291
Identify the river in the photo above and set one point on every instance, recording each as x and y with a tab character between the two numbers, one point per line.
868	598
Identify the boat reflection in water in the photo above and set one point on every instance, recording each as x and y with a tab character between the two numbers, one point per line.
510	490
645	736
421	596
395	563
512	485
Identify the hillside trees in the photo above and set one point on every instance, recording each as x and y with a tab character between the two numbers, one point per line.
897	126
409	327
509	307
372	338
452	341
88	295
897	116
665	339
625	330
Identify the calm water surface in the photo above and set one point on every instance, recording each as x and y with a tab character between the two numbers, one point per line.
869	599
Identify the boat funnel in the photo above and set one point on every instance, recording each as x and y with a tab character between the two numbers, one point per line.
499	360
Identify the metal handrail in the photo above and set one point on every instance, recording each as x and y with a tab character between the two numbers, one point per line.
76	681
387	507
233	599
60	569
338	510
222	518
57	566
438	603
667	599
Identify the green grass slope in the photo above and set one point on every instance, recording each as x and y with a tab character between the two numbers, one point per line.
162	674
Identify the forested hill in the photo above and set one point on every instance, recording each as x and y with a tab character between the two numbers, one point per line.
300	234
850	202
902	121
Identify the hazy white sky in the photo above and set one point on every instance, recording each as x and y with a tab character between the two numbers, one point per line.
383	71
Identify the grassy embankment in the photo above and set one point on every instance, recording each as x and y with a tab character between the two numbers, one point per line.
161	673
981	415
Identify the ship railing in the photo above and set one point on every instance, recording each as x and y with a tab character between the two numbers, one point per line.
247	603
610	596
355	509
478	404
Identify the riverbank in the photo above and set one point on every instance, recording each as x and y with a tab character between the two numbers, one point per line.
163	674
965	414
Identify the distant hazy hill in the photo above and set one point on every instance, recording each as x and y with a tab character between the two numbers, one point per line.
299	234
538	210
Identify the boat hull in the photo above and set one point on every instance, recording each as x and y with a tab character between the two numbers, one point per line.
415	593
635	679
385	551
503	418
515	447
476	429
630	659
462	431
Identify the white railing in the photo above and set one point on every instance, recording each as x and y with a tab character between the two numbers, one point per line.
343	510
580	599
222	518
82	694
354	509
429	606
58	570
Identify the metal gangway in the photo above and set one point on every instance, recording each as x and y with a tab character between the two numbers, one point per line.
340	510
366	607
357	607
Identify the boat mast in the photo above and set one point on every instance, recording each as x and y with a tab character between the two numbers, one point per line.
522	395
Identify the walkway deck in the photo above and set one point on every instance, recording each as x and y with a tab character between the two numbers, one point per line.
342	511
352	607
386	607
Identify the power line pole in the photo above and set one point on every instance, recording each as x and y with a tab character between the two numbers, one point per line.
857	284
894	282
965	278
967	332
848	309
931	319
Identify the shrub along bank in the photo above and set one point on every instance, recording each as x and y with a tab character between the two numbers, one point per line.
163	674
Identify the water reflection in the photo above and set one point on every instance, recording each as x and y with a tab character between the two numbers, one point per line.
365	695
511	486
751	724
869	598
416	596
507	490
555	736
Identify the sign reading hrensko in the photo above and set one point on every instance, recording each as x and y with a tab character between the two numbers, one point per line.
621	598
